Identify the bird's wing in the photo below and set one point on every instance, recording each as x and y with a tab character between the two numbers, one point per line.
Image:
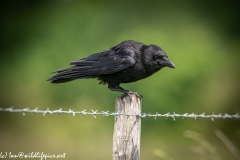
105	64
97	64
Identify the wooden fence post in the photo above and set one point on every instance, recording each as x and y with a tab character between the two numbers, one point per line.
127	129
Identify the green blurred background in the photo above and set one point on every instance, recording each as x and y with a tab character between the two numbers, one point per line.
202	38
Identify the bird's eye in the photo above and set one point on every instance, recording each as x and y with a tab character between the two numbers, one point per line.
157	57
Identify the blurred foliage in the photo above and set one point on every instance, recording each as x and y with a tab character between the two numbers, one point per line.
200	37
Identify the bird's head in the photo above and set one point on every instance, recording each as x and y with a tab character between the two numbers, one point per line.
159	56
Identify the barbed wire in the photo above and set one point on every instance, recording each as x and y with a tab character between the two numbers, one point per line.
107	113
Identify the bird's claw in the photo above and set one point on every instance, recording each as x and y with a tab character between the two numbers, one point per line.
135	93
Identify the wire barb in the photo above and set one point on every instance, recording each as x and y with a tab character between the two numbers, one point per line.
173	115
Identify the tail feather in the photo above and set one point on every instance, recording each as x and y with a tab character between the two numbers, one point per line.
72	68
89	67
61	80
72	73
82	62
68	76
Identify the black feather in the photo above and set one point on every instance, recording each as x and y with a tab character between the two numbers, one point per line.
127	62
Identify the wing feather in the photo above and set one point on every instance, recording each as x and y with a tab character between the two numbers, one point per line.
107	62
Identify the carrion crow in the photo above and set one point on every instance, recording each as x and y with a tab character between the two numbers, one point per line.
127	62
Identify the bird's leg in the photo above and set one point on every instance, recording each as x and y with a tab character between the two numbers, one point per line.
117	88
127	92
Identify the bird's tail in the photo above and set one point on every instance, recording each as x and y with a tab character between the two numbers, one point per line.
70	74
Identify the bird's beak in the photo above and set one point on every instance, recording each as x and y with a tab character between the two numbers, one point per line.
167	62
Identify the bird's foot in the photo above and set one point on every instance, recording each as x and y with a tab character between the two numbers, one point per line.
137	94
128	93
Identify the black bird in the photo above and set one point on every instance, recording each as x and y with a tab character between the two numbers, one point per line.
127	62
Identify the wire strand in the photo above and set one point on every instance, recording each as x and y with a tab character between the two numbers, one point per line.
107	113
